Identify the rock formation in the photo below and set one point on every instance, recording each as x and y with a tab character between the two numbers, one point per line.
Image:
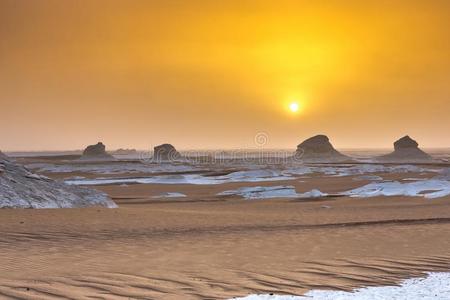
165	152
19	188
406	149
96	152
3	156
318	148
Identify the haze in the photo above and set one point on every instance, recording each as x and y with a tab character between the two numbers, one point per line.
212	74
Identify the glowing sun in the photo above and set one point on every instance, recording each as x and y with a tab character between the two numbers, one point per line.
294	107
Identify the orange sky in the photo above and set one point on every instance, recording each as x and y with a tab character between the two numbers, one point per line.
212	74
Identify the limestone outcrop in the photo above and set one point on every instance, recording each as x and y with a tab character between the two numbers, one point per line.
20	188
318	148
406	149
96	152
165	152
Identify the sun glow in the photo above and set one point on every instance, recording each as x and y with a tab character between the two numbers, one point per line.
294	107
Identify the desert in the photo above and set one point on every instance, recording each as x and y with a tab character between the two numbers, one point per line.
218	231
224	150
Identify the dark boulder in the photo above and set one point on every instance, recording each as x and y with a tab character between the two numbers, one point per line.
319	148
165	152
97	151
405	143
406	149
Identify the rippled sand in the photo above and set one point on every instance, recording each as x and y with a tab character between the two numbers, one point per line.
207	246
220	249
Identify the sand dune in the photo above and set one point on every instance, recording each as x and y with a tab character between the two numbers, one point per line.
207	245
219	250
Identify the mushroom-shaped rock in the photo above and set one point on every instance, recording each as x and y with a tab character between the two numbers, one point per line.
165	152
406	149
97	151
405	143
319	148
22	189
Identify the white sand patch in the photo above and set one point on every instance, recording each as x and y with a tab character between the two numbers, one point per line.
170	195
263	192
258	175
436	286
242	176
76	178
368	177
358	169
312	194
255	175
432	188
444	174
254	170
110	168
267	192
166	179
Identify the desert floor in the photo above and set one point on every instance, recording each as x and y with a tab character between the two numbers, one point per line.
205	246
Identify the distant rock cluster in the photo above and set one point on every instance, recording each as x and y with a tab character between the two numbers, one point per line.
96	152
124	151
165	152
406	149
318	148
19	188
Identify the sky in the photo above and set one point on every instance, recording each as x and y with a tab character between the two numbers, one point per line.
215	74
